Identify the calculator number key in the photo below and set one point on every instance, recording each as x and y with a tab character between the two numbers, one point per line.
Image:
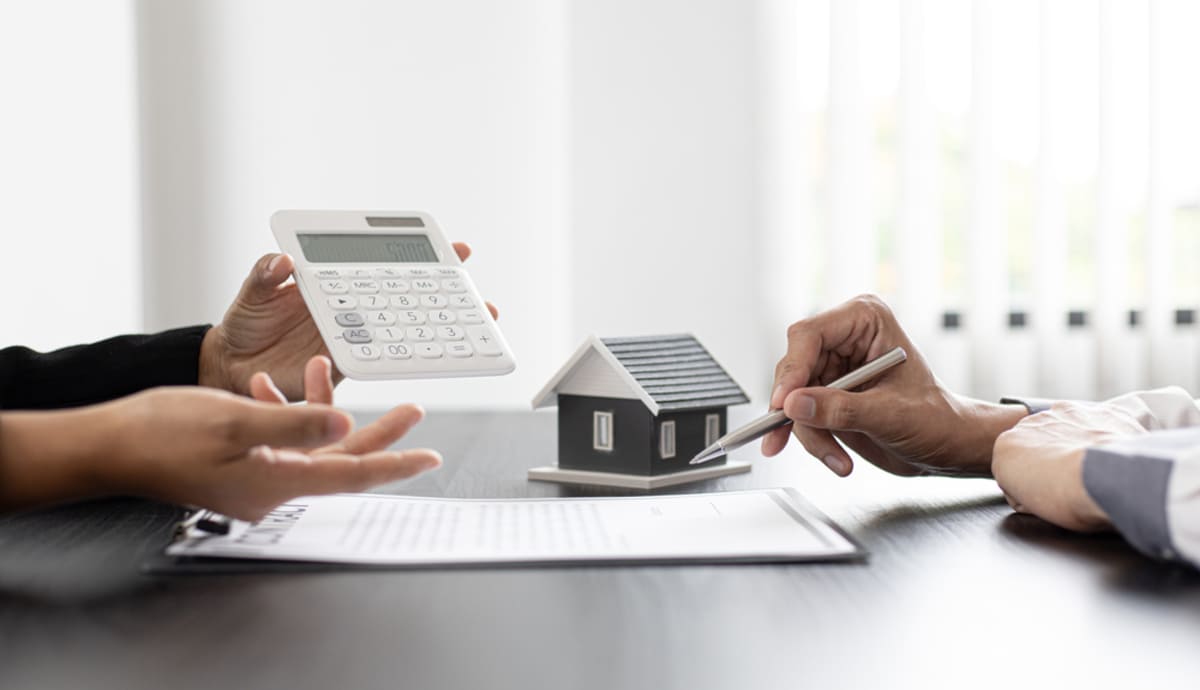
449	333
419	333
365	352
412	318
389	335
374	302
433	301
405	302
397	351
442	317
382	318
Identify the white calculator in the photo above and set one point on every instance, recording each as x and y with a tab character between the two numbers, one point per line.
390	296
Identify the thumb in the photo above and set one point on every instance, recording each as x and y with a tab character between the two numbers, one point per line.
835	410
300	426
269	272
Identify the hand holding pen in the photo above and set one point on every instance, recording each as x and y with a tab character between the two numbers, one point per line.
905	421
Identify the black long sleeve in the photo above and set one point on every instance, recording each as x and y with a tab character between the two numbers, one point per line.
88	374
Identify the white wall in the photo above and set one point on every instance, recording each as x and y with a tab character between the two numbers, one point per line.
455	107
69	249
663	204
598	156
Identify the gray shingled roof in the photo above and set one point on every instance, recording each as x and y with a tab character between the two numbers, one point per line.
676	372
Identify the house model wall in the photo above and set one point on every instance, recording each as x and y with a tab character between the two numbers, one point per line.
642	406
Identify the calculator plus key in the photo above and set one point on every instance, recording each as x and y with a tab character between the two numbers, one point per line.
484	341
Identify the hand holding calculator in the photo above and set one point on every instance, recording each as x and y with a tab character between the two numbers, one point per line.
389	295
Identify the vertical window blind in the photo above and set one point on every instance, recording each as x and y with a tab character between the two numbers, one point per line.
1019	179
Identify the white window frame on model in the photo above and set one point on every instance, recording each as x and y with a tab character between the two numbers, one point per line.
602	422
712	429
666	440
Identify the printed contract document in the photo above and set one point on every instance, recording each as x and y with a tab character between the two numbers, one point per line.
380	529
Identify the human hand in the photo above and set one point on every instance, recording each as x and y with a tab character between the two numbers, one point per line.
243	457
268	328
1039	462
905	421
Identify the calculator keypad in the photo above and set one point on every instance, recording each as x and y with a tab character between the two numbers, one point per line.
416	314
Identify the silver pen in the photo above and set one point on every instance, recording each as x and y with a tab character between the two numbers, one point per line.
776	418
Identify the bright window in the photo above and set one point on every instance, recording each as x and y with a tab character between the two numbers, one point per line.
602	431
666	440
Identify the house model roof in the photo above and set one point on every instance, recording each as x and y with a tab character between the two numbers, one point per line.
666	372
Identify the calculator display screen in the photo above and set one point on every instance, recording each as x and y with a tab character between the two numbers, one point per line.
366	248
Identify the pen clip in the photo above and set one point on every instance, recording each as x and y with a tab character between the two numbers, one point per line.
203	520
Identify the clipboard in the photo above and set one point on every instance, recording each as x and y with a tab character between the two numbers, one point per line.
379	531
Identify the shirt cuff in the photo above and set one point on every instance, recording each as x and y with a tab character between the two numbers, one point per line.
1131	489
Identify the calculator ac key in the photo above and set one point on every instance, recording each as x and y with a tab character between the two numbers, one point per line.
357	335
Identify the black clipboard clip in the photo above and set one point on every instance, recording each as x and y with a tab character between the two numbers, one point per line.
205	521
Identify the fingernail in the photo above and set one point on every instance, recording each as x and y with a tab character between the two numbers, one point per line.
806	407
272	265
838	465
434	462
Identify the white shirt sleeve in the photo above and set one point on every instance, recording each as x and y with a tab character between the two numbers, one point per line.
1150	485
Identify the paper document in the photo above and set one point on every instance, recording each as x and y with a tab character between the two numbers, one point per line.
380	529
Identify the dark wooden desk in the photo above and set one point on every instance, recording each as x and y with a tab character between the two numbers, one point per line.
958	592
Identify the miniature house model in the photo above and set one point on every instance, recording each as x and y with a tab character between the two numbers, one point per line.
633	412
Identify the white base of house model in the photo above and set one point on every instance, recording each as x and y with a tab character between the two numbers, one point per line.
552	473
